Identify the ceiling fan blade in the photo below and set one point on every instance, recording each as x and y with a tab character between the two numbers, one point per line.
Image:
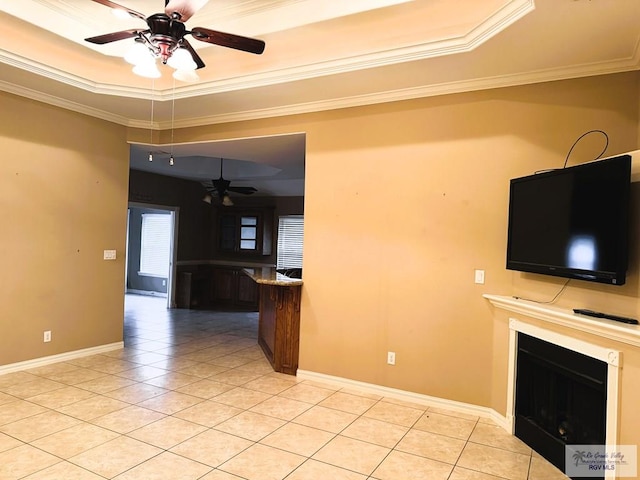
184	9
242	190
115	6
113	37
194	55
246	44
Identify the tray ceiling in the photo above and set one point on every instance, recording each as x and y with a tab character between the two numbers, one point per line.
320	54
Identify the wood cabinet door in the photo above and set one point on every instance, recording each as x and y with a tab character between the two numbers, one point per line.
228	233
224	285
247	290
241	232
246	231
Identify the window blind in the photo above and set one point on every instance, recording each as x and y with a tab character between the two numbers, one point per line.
290	241
155	244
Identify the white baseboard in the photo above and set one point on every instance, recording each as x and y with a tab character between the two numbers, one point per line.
148	293
406	396
61	357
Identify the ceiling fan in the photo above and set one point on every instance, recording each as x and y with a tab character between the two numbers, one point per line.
164	36
221	188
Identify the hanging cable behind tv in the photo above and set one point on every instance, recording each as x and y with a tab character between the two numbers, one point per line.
566	160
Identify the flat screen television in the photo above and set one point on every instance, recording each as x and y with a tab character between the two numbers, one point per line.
572	222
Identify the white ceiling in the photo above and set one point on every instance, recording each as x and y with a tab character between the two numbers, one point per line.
274	165
320	55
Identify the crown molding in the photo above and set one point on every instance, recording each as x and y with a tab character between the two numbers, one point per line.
540	76
63	103
449	88
494	24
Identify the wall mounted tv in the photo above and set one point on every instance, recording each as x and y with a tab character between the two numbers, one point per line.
572	222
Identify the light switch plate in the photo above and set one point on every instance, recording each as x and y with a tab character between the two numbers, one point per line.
109	254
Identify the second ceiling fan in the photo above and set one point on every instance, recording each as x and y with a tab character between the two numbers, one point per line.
221	187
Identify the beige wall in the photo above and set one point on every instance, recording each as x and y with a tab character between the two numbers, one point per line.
421	202
404	200
63	200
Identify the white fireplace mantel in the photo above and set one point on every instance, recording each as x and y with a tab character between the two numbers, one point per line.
621	332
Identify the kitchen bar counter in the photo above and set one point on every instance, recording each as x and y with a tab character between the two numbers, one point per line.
279	317
269	276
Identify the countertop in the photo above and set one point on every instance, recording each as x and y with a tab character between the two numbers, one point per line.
223	263
269	276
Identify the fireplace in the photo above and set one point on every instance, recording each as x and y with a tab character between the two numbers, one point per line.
560	398
581	335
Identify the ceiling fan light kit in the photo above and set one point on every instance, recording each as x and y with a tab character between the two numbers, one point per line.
164	40
187	76
147	70
138	53
181	59
145	65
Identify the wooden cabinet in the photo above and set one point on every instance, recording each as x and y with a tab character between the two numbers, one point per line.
248	292
245	231
183	290
193	288
216	286
232	288
223	285
279	326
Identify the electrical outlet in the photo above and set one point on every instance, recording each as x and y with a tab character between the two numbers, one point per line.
479	276
47	335
391	358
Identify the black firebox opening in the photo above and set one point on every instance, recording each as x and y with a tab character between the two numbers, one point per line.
561	398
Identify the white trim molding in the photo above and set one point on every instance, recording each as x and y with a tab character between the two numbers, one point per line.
602	328
406	396
620	332
609	356
61	357
467	41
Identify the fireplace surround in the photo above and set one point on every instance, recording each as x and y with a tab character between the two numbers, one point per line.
540	322
610	362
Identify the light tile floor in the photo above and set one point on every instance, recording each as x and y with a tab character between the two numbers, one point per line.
191	396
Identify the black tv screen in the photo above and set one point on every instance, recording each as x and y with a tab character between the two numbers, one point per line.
572	222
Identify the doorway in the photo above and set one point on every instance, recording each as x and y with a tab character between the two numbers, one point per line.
151	251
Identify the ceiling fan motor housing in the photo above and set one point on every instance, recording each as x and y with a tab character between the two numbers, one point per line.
166	34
